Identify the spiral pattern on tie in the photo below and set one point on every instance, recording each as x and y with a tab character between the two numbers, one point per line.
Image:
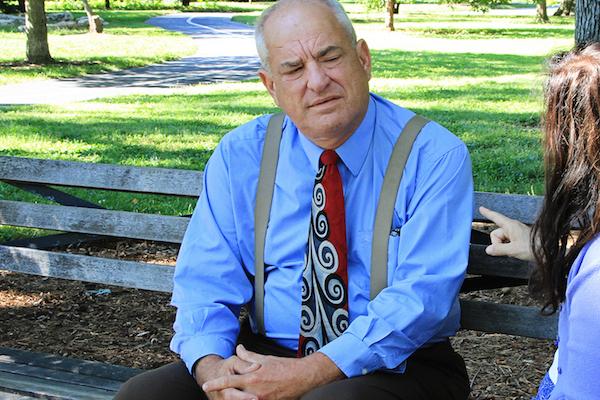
324	314
334	290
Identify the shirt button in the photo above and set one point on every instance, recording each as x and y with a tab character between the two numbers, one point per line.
559	370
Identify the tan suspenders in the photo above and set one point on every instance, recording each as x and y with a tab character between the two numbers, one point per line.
383	216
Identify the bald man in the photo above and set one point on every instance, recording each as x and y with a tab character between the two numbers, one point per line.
324	337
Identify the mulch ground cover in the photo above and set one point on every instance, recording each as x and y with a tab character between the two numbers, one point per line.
133	327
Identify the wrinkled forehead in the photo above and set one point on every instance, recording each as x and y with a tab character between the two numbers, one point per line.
304	24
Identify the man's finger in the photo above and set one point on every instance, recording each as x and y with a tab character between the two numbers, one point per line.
222	383
236	394
241	367
495	217
248	355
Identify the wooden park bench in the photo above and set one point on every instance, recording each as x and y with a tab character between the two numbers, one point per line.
24	373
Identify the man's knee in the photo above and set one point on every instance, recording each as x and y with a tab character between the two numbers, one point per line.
340	390
167	382
134	389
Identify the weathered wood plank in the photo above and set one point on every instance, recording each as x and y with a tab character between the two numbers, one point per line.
60	376
482	264
76	366
508	319
13	396
177	182
41	388
94	221
521	207
87	269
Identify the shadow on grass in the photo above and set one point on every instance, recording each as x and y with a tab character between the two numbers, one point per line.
66	68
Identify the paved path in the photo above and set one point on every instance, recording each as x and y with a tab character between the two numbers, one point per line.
226	52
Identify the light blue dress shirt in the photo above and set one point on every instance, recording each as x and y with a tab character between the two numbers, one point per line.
579	329
427	262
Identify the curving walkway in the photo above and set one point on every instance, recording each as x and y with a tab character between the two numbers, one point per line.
226	52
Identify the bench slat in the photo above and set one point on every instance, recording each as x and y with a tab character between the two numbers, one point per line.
87	269
139	275
94	221
521	207
177	182
171	229
45	389
12	396
508	319
60	376
67	364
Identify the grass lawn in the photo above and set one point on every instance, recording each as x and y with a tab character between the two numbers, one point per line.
124	44
491	101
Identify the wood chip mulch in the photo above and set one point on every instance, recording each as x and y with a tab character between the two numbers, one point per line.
133	327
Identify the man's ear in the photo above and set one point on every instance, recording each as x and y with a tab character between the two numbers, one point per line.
266	79
364	56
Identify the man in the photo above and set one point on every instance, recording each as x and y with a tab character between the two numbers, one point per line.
394	346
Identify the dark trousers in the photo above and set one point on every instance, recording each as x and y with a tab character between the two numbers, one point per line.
432	373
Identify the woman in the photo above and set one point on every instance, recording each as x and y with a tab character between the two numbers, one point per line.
568	267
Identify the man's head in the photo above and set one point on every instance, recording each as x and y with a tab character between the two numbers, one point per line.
314	68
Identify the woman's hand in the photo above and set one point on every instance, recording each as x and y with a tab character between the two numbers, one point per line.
512	238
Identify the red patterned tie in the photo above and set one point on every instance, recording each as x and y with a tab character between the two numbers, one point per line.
325	277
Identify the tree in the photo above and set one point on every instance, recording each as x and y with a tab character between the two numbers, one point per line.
37	50
566	7
185	3
587	22
107	4
390	6
541	11
94	21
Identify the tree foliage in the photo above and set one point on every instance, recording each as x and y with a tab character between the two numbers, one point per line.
479	5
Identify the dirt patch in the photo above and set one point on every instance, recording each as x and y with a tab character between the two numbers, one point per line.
133	327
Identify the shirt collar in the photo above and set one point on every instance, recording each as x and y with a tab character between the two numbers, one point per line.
353	152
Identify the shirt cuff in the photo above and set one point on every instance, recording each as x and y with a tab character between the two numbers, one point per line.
352	356
199	346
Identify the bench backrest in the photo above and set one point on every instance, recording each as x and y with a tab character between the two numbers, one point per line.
25	172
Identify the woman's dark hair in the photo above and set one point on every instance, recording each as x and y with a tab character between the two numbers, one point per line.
571	126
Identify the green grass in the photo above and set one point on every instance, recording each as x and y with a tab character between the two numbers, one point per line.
445	24
124	44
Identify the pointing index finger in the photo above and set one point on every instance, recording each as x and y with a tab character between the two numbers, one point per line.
497	218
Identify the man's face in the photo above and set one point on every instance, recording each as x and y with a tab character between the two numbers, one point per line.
316	76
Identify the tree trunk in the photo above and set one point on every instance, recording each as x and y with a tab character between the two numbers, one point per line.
37	50
94	21
565	8
389	16
107	4
542	12
22	6
185	3
587	22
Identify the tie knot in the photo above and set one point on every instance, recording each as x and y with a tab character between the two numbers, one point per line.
329	157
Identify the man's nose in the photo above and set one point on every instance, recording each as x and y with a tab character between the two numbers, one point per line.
317	77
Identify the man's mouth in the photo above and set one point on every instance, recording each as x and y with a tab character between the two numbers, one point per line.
324	101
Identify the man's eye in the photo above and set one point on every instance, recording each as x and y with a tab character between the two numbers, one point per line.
293	70
331	59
